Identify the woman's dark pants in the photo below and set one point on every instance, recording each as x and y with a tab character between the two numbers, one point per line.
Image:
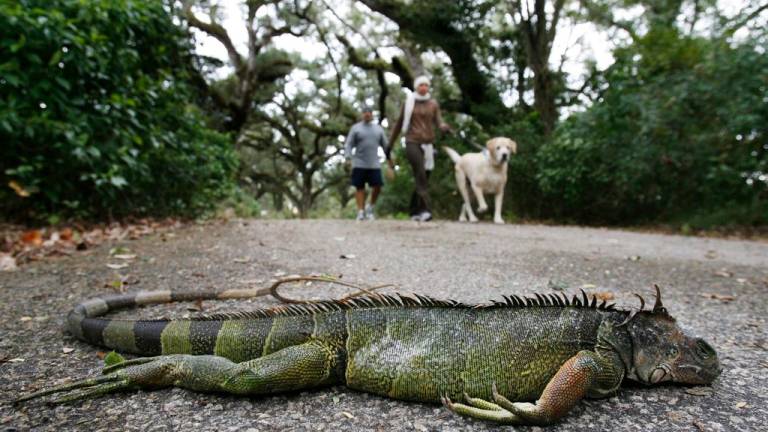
420	198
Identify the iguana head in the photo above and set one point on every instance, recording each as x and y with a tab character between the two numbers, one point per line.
662	352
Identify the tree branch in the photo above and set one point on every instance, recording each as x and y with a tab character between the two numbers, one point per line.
216	31
731	29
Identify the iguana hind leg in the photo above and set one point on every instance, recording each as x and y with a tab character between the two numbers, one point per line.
586	373
297	367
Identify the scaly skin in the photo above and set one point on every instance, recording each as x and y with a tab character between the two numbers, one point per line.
546	349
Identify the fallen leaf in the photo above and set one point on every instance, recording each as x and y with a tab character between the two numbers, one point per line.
347	415
723	273
588	286
67	350
741	405
741	280
116	284
25	318
698	425
243	260
117	266
120	250
198	307
7	262
66	234
721	297
604	295
699	391
347	256
52	240
124	256
16	360
19	189
117	233
32	237
634	258
101	355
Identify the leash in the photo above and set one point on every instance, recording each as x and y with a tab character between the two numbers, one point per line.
464	139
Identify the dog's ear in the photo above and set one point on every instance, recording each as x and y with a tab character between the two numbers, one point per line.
491	146
512	145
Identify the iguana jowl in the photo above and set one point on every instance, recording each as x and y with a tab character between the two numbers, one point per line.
495	358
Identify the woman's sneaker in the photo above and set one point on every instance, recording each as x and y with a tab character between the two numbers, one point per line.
360	215
425	216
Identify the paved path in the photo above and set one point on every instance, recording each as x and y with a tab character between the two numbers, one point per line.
466	262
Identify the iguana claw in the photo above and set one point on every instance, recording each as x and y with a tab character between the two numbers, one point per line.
480	409
126	363
141	372
93	386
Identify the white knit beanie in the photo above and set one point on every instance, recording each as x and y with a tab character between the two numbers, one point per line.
423	79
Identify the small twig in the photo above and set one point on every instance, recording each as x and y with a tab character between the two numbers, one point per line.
360	289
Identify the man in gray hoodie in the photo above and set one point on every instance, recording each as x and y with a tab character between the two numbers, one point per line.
365	138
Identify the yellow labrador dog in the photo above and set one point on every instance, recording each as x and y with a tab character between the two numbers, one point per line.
486	172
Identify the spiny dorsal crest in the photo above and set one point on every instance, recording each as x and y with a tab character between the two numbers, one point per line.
414	300
658	308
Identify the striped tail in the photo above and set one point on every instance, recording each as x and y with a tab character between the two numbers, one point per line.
236	337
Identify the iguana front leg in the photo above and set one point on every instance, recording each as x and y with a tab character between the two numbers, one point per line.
302	366
585	374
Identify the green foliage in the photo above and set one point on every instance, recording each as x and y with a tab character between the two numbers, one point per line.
679	132
95	117
112	359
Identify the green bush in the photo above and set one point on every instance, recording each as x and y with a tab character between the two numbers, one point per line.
96	116
679	133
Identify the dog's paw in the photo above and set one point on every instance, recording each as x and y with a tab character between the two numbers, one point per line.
498	221
482	209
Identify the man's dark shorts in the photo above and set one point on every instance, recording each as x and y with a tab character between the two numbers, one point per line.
361	176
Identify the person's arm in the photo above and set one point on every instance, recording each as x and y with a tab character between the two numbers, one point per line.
349	144
439	119
397	128
387	148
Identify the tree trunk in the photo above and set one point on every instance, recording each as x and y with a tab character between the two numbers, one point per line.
278	201
478	96
544	97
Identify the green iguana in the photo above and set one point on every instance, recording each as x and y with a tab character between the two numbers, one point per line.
495	358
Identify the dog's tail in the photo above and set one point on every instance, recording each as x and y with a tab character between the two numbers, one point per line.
452	154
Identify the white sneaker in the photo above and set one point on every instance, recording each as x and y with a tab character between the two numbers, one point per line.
425	216
369	212
360	215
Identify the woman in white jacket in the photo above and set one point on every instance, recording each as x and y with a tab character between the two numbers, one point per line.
419	117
